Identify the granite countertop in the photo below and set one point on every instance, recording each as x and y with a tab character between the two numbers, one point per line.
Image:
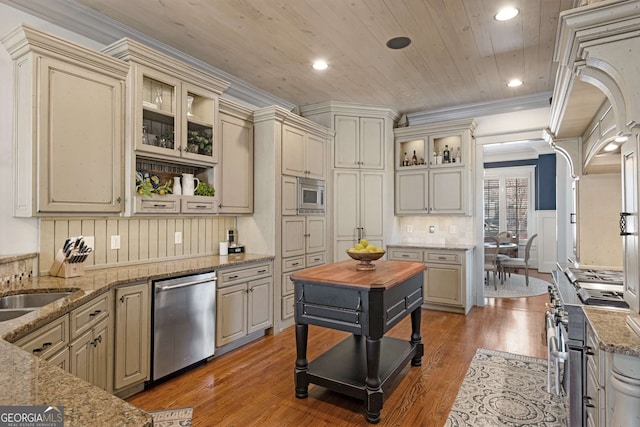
28	380
612	331
442	246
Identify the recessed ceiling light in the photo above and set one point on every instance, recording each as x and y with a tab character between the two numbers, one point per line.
320	65
506	14
611	146
515	83
620	138
398	42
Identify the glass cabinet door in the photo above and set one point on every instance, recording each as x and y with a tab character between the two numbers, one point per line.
199	112
157	132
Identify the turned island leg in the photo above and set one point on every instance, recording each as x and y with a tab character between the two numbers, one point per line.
416	338
372	382
302	365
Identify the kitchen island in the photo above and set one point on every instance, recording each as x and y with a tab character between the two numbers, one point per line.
367	304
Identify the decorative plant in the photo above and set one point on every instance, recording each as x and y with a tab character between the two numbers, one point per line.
148	185
199	142
204	189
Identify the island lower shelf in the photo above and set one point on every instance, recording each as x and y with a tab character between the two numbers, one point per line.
343	368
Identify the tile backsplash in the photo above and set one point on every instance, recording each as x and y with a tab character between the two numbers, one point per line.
15	268
447	229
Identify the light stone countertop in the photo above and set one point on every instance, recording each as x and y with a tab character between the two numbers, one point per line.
439	246
612	331
28	380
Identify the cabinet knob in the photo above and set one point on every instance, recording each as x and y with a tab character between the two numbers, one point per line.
119	199
122	299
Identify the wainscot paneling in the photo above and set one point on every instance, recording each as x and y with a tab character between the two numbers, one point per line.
141	239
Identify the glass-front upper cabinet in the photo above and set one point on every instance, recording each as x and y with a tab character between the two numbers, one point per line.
421	147
198	131
177	119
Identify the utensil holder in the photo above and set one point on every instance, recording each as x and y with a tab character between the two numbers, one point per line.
62	268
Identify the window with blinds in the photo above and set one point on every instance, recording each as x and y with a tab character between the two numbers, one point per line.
506	205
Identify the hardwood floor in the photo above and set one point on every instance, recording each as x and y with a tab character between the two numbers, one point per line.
254	384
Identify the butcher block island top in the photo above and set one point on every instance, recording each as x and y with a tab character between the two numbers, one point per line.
367	304
386	275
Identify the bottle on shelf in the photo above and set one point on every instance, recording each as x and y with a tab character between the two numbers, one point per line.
435	157
446	155
145	135
414	158
405	162
439	158
458	159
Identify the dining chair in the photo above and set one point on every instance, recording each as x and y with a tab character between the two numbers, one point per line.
508	237
516	263
491	259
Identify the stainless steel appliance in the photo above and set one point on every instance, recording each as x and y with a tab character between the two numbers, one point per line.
572	289
311	198
183	322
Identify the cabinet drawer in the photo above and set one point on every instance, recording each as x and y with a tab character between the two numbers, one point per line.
287	284
199	205
84	318
159	204
288	306
442	257
315	259
293	263
235	275
48	340
405	255
597	359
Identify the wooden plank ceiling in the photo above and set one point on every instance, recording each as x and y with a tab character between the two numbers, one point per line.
459	54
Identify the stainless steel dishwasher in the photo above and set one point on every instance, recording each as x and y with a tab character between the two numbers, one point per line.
183	322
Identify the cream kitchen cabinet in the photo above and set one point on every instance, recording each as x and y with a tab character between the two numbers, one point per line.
235	169
91	347
442	191
70	101
303	235
244	302
447	279
358	210
434	185
174	107
303	153
289	195
50	342
132	306
359	142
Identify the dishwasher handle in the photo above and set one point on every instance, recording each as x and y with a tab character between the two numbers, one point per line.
183	285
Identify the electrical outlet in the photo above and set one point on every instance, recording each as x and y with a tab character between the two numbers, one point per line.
432	229
115	242
178	237
409	228
90	241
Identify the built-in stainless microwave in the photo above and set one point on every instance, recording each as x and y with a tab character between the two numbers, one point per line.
311	196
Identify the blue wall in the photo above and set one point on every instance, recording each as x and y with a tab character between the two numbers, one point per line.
545	177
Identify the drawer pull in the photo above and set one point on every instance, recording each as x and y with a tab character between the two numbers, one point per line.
36	350
159	205
442	257
46	345
295	263
405	255
201	206
233	277
95	313
316	259
262	271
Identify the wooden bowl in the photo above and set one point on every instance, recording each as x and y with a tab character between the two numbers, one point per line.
365	259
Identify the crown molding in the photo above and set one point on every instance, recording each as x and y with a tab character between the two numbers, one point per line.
89	23
519	103
347	108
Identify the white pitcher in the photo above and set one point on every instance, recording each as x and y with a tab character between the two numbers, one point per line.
177	188
189	184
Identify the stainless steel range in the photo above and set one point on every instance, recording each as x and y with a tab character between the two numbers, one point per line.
572	289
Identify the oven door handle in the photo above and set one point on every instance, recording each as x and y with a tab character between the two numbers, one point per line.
623	224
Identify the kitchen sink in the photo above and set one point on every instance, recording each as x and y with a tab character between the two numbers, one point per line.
13	313
30	300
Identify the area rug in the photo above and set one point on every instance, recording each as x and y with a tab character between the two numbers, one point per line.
178	417
514	287
505	389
